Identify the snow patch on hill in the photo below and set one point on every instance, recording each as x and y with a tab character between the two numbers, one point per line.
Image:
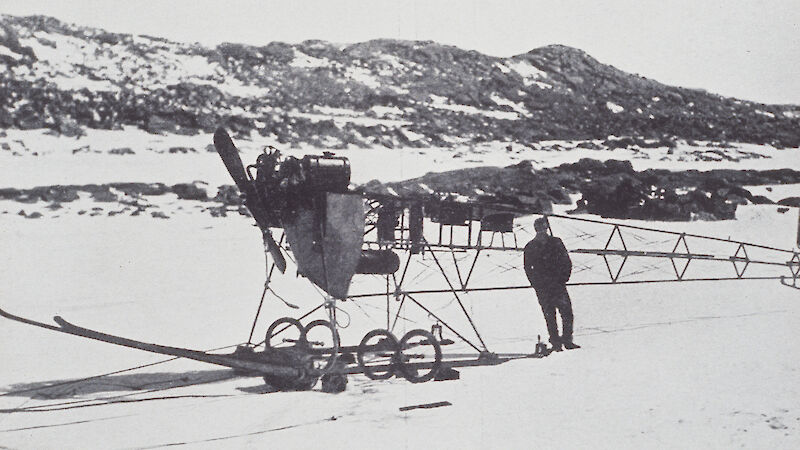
304	61
614	108
516	106
440	102
526	70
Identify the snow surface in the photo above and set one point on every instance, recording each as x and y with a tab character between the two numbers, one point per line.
530	74
670	365
342	116
693	365
765	113
36	158
5	51
518	107
303	61
526	69
363	76
775	193
441	103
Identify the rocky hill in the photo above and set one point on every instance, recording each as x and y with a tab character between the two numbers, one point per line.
377	93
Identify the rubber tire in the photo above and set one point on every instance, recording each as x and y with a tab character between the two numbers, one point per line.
284	320
362	350
334	333
407	373
325	323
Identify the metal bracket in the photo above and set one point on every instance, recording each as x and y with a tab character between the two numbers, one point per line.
792	284
680	273
745	259
794	267
615	277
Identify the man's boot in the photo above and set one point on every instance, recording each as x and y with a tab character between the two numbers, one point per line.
556	346
569	345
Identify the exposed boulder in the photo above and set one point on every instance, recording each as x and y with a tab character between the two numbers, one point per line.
229	195
181	150
790	201
61	194
69	127
761	200
157	124
101	193
190	191
121	151
139	189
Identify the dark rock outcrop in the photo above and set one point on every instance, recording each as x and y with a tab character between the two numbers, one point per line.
190	191
790	201
609	189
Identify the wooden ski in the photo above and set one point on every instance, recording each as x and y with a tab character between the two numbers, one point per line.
232	360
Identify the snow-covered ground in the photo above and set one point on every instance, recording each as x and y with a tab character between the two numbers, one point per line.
674	365
671	365
34	158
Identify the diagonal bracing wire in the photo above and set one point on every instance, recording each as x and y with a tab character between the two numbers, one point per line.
445	324
460	303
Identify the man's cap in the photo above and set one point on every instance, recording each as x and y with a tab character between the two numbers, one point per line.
540	224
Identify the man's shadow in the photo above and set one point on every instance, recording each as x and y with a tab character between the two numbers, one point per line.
144	382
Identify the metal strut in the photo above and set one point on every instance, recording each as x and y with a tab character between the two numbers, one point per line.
266	287
586	283
453	290
674	233
388	310
461	280
397	315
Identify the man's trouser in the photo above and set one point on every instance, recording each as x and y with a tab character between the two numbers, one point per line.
556	298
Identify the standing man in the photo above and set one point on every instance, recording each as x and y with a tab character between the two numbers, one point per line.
548	267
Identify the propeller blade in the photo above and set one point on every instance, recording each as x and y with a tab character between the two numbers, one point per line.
230	157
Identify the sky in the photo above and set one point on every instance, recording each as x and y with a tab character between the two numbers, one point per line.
745	49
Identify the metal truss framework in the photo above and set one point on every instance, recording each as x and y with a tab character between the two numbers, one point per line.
616	246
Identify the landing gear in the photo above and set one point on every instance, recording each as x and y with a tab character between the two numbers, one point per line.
286	344
313	350
419	356
377	354
322	340
295	333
